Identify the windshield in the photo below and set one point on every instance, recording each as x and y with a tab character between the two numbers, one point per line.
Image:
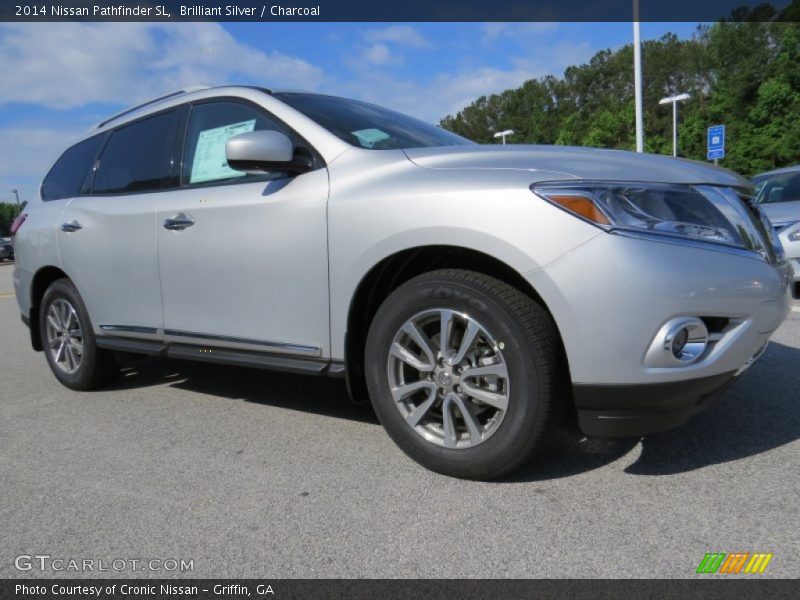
367	125
780	187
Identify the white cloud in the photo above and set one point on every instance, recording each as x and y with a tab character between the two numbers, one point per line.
377	54
520	32
403	35
450	91
65	65
431	100
27	153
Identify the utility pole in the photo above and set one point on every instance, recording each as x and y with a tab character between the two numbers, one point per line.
637	77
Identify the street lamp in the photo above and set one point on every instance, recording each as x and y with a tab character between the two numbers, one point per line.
16	194
637	78
674	101
503	134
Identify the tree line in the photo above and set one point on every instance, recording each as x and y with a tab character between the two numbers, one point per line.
8	212
743	71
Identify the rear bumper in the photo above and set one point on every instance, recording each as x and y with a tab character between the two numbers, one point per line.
637	410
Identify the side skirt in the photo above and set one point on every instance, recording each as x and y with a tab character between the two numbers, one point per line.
225	356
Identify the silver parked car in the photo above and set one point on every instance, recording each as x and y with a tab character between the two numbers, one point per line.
778	195
473	293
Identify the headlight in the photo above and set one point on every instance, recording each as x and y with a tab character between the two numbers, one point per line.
701	213
795	235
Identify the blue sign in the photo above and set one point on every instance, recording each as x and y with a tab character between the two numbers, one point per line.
716	142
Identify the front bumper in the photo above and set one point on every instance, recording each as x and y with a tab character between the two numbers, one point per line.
637	410
610	299
611	296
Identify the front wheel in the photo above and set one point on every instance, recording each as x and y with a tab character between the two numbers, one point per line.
69	342
465	373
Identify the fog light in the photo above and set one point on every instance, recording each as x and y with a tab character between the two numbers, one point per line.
685	340
679	343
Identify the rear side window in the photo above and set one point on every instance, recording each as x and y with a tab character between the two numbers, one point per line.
139	157
210	126
67	176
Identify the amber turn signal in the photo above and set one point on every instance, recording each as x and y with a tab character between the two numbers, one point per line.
580	205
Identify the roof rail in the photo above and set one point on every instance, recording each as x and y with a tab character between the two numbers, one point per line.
194	88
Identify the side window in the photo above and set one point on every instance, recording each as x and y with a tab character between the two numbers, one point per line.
210	126
66	178
138	157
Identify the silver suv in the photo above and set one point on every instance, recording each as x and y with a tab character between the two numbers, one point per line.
474	293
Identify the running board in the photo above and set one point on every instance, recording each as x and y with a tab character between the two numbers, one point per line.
118	344
243	358
225	356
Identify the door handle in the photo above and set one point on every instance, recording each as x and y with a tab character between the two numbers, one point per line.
70	227
178	222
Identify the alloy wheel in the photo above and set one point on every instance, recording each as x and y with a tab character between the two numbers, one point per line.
448	378
64	336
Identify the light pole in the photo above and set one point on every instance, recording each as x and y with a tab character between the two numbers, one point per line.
637	77
674	101
503	134
16	194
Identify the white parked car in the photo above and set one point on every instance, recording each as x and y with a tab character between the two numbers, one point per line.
778	195
474	293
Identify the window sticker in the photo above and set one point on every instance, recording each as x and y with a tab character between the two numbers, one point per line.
369	137
209	162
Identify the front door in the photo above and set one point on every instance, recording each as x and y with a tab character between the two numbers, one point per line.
243	259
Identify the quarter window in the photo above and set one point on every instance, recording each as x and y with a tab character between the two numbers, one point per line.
66	178
139	157
210	126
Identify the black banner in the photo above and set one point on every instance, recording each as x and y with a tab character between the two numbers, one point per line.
403	10
394	589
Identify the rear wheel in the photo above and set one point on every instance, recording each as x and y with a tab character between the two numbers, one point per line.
69	342
464	372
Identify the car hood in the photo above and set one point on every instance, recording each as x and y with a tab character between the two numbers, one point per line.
548	162
780	213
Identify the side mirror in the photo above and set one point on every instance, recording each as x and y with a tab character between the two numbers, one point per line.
259	152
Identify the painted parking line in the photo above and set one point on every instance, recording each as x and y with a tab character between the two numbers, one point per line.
796	309
6	294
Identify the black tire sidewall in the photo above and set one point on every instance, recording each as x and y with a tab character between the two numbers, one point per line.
522	423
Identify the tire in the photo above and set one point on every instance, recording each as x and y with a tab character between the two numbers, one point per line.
517	339
82	369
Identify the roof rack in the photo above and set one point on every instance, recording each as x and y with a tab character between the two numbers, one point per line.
194	88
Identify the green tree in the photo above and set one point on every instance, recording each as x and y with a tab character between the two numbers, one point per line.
8	212
743	71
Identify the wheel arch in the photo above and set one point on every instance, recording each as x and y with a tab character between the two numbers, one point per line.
394	270
39	284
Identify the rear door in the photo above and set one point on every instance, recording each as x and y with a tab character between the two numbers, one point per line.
243	259
107	240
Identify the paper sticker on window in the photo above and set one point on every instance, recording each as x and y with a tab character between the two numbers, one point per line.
209	162
369	137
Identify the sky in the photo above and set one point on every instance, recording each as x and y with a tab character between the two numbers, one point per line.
61	78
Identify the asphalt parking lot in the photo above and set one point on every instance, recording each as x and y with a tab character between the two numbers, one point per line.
255	474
